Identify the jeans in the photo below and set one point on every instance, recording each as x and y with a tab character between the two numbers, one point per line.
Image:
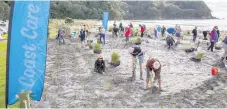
102	36
194	38
211	46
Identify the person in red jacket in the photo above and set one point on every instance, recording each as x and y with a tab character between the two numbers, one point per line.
155	66
127	33
142	29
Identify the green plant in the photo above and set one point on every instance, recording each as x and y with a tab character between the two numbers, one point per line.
199	55
137	40
115	57
110	29
97	47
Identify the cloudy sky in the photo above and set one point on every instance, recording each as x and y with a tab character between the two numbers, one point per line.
218	7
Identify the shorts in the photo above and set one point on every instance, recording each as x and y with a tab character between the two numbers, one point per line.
177	34
141	59
157	74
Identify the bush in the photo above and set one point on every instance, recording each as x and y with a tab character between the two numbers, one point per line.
115	57
97	47
68	20
110	29
137	40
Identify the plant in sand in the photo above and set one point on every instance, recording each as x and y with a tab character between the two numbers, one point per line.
218	45
115	59
137	40
110	29
97	48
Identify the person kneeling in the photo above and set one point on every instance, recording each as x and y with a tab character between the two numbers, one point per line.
170	41
100	65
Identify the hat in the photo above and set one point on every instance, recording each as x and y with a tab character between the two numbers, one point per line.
156	65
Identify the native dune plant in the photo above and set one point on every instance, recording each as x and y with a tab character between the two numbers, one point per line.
115	59
136	40
97	48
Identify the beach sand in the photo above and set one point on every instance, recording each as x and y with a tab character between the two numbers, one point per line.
71	83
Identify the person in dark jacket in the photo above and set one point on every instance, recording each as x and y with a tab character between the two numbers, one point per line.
218	32
170	41
136	52
100	65
205	35
194	32
82	37
163	30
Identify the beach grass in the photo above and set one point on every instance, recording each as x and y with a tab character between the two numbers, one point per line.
2	73
3	49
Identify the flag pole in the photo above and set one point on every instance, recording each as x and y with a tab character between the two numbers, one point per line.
8	53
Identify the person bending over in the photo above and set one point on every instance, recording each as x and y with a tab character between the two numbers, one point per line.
153	65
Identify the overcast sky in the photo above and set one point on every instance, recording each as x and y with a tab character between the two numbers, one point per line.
219	7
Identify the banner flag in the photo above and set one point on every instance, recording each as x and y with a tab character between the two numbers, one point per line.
27	43
105	20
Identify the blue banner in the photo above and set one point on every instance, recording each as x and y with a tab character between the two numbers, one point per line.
105	20
27	43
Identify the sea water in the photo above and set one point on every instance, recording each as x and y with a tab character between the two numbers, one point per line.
206	24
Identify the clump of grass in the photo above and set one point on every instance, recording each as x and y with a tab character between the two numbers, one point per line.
97	47
137	40
115	57
5	36
110	29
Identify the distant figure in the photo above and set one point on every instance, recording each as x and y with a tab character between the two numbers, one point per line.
142	29
100	65
178	33
170	41
155	66
86	29
82	37
61	35
131	26
102	35
213	38
194	32
115	31
218	32
136	52
155	33
114	25
121	27
163	30
205	35
127	33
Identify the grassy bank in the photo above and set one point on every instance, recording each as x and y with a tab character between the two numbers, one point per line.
3	49
2	73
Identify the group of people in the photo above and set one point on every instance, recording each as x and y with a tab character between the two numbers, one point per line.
153	66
